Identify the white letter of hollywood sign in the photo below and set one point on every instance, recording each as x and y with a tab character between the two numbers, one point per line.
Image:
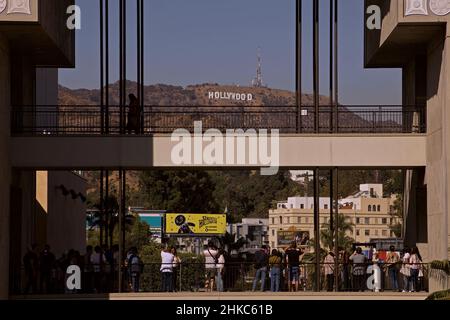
420	7
15	6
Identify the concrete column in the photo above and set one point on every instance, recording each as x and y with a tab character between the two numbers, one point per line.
47	95
438	147
5	168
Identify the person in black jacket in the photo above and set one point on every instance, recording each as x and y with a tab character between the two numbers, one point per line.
261	262
31	264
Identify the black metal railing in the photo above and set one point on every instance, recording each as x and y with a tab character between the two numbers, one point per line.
90	120
235	277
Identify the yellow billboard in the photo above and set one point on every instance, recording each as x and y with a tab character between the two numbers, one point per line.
195	224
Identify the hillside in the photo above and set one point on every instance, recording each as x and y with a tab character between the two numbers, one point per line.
193	95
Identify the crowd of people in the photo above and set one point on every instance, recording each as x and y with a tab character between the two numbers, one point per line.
287	271
45	274
273	270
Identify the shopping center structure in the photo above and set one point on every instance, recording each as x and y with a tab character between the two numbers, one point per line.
36	135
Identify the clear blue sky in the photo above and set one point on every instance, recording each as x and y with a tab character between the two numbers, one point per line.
199	41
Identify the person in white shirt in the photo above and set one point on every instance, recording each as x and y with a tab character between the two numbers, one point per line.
220	270
406	269
328	266
211	260
377	271
166	270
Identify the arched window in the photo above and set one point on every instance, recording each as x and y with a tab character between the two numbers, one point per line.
370	208
374	208
379	208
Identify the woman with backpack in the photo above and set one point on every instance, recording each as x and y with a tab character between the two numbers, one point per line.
135	268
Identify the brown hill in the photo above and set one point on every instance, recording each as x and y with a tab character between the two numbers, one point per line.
193	95
266	111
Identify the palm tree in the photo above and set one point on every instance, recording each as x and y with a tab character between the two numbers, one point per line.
344	226
111	217
229	242
397	213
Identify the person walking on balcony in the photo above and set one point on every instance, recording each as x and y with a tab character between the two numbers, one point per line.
293	261
359	269
261	262
329	270
275	263
166	270
392	260
134	115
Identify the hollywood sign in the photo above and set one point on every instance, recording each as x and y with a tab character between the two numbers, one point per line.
420	7
230	96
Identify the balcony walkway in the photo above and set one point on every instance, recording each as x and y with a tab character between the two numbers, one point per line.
253	296
95	120
388	151
89	138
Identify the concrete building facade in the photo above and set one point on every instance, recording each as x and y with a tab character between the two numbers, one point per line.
33	34
414	36
370	213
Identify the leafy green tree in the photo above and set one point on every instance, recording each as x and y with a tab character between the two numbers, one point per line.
178	191
248	194
397	212
110	219
239	193
349	182
138	234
